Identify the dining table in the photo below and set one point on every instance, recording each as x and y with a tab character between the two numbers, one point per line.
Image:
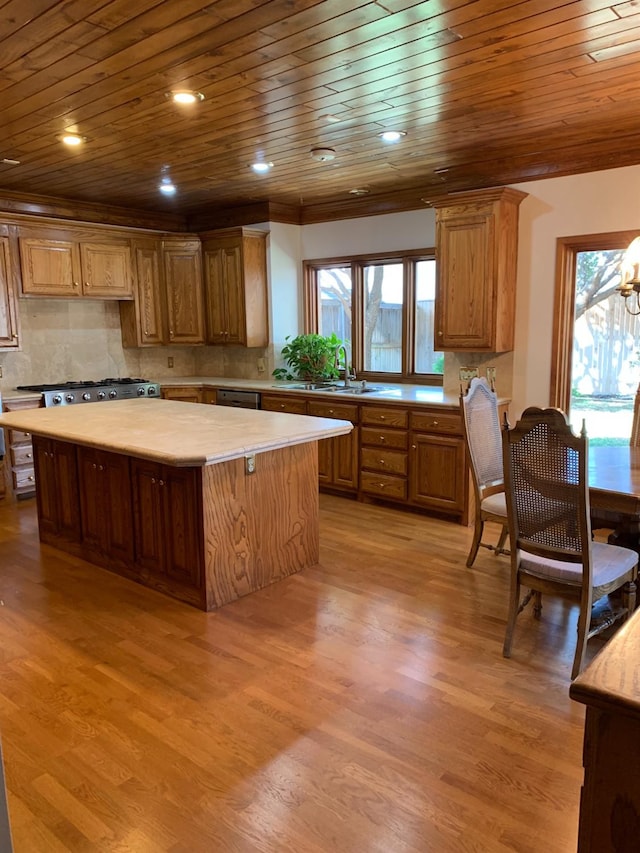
614	480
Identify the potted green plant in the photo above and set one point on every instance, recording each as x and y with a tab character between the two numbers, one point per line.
309	358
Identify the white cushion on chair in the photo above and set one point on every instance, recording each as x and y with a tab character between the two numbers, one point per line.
609	563
495	504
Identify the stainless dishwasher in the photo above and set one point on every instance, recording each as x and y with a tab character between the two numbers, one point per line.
238	399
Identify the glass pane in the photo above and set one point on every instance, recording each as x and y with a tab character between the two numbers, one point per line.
605	367
334	287
427	360
383	300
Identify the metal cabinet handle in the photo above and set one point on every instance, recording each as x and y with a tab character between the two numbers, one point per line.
161	482
76	284
382	439
439	334
30	477
29	455
87	284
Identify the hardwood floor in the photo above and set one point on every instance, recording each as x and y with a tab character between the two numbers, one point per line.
363	705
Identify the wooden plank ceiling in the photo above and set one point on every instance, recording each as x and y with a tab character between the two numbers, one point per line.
488	93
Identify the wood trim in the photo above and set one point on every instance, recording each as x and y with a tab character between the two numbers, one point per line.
39	207
564	302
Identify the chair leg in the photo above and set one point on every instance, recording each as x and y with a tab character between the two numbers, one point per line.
475	545
537	604
514	609
499	549
629	598
584	620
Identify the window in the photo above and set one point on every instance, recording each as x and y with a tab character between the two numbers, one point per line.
382	307
595	359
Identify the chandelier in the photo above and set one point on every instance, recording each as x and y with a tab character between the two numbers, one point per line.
630	277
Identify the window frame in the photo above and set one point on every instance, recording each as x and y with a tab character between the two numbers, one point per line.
567	249
357	263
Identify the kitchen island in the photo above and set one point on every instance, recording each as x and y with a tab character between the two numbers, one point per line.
205	504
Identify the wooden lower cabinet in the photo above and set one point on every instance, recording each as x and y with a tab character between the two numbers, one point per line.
106	506
20	473
337	457
167	524
415	457
438	472
57	495
183	393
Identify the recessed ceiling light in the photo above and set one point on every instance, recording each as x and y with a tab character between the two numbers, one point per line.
392	135
185	96
72	139
261	167
167	187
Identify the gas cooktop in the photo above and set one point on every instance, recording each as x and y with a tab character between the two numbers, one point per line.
93	391
89	383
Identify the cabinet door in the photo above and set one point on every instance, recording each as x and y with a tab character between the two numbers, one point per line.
57	492
437	472
236	287
105	501
221	265
147	516
8	309
50	267
183	282
106	270
181	493
464	311
337	456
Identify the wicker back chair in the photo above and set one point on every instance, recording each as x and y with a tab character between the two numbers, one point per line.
552	551
479	407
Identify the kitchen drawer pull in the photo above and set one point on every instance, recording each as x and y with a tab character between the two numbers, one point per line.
30	477
153	481
161	482
100	467
87	284
76	284
94	466
434	423
381	462
382	439
29	455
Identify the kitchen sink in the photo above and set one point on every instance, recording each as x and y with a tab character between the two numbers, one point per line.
337	389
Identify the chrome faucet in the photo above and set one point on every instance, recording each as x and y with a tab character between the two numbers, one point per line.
347	375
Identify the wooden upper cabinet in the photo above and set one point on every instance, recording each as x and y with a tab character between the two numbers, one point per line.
106	269
66	264
476	253
235	275
184	291
9	330
168	305
143	321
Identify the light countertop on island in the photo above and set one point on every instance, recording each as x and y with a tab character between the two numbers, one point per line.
174	433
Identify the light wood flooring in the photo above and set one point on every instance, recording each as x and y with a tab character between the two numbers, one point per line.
363	705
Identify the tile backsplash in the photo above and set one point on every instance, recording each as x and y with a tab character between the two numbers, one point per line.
80	339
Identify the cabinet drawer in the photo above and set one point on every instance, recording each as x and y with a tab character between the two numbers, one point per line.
383	485
392	461
394	438
436	422
16	436
293	405
343	411
24	478
384	416
22	454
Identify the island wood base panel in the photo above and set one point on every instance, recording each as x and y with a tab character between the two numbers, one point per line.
206	536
